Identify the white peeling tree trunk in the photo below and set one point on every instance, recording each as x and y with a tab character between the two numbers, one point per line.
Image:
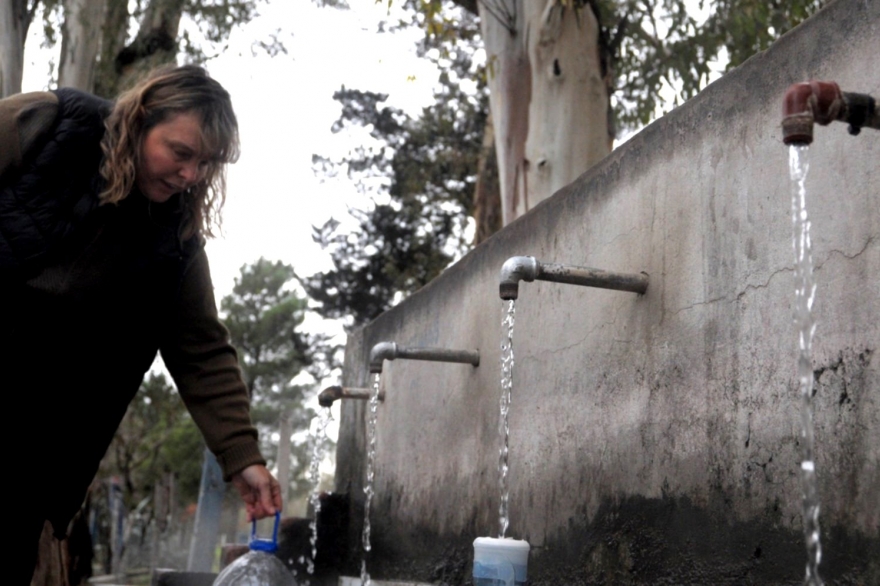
12	37
155	43
80	43
568	115
509	96
548	97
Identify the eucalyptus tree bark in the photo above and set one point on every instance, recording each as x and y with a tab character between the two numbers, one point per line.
15	18
510	92
487	194
155	44
113	36
548	94
80	42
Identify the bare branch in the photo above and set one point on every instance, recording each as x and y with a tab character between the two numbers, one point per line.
499	11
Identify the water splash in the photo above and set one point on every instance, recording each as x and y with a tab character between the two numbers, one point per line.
504	425
805	290
365	576
318	452
368	486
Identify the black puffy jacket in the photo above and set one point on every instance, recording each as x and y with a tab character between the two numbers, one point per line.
88	292
56	189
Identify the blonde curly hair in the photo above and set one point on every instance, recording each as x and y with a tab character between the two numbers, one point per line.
167	92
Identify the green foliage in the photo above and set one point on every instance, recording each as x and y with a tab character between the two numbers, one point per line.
156	437
651	45
445	25
181	455
215	20
745	27
425	168
136	34
430	165
264	315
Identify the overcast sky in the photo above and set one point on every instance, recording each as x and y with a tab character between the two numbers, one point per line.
286	108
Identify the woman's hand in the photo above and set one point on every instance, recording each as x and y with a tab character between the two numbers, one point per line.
259	490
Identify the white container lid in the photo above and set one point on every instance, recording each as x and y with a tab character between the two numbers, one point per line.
515	549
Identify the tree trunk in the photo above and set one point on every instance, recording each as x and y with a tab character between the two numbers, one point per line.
80	41
487	194
113	37
154	45
510	85
548	97
568	129
14	20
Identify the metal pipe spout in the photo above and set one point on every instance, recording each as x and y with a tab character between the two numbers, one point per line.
334	393
526	268
514	270
822	102
390	351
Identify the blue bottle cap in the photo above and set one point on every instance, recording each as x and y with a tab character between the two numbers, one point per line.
266	545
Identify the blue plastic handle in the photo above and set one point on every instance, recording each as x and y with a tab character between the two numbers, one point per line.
267	545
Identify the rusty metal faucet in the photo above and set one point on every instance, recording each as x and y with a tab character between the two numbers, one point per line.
822	102
527	268
391	351
334	393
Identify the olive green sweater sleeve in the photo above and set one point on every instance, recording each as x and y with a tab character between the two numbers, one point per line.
205	368
24	118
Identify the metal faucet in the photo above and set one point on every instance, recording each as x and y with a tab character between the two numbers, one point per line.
526	268
822	102
391	351
330	394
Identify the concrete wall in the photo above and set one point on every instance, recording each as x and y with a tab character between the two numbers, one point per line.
653	438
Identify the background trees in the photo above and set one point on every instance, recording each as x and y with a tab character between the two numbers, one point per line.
564	73
147	443
564	78
426	178
419	223
105	44
264	315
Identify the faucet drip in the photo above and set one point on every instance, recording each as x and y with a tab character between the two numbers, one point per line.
526	268
822	102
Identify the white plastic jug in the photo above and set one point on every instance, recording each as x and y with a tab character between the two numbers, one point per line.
259	566
500	562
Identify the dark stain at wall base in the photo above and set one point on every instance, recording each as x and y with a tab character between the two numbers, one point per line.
641	541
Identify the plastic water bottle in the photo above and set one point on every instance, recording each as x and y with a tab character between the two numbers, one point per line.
500	561
259	566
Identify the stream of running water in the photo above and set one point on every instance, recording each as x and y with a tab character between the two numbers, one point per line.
805	290
318	452
368	486
504	425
